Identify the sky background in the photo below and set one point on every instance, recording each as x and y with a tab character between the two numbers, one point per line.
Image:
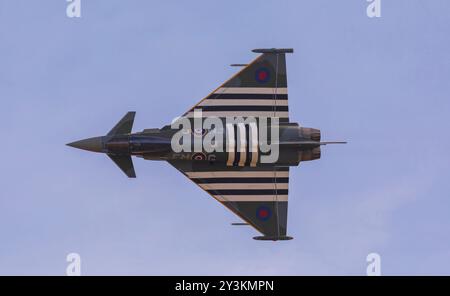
381	84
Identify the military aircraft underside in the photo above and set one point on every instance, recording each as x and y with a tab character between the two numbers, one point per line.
237	144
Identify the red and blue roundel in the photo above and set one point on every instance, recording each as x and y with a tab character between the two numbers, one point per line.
198	156
262	75
263	213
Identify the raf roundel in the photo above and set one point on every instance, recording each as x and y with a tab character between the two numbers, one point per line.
199	156
263	213
262	75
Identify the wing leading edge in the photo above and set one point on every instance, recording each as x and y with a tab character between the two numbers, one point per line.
258	90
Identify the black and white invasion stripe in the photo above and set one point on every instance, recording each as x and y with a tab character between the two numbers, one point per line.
244	186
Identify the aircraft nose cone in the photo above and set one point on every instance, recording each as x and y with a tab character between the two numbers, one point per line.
92	144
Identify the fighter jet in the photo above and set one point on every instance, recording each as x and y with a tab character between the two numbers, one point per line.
237	144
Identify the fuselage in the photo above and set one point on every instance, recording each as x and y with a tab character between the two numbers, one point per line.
295	144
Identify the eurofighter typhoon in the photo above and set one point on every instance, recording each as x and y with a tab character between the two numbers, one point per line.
237	144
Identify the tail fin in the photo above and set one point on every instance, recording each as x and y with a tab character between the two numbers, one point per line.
124	126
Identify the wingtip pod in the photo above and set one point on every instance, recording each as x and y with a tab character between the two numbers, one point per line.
273	238
273	50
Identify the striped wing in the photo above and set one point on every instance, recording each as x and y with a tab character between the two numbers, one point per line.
259	89
258	195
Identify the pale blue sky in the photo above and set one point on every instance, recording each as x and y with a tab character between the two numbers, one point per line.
382	84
